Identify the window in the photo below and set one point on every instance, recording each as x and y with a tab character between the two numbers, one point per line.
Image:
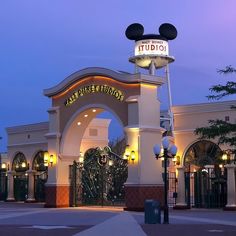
226	118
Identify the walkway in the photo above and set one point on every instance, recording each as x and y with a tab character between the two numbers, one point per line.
32	219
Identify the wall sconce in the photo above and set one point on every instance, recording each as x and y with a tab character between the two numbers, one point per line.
51	159
132	156
129	155
224	157
176	160
48	159
4	166
81	159
45	158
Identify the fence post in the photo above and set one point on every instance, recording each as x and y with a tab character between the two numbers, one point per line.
181	201
231	187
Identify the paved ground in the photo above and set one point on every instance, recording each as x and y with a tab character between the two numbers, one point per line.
33	219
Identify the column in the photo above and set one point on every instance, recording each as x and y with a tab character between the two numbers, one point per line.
143	132
31	197
231	187
57	187
10	187
180	200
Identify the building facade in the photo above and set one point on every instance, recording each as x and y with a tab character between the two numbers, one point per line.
73	129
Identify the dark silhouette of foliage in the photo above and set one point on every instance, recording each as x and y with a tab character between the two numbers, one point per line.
222	130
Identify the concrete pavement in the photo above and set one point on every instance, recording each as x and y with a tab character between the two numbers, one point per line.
33	219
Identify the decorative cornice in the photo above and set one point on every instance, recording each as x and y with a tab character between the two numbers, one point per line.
98	71
145	128
210	107
52	135
26	144
28	128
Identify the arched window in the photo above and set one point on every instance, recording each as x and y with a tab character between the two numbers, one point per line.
19	163
202	153
38	163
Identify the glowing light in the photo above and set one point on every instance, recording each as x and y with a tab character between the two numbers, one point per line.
224	157
94	110
23	165
132	156
86	115
4	166
79	123
81	158
45	156
110	163
51	159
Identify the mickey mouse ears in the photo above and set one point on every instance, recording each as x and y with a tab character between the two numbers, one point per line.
168	31
135	32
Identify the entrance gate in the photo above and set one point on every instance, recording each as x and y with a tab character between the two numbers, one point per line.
206	188
40	181
3	185
20	187
99	180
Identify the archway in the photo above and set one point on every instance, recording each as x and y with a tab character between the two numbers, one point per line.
40	176
205	177
20	166
202	153
133	100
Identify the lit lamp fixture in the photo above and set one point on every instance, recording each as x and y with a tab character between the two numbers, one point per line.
110	162
228	156
81	159
132	156
169	152
224	157
4	166
23	164
45	158
129	155
51	160
48	159
176	160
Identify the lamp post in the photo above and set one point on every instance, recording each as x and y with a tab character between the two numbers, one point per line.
169	151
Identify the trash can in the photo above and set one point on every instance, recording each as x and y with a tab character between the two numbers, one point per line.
152	212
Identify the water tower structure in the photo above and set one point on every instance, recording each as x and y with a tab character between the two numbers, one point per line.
152	52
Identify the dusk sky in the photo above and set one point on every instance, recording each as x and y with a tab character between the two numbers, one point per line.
42	42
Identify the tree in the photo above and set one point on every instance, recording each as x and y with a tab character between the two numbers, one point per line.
222	130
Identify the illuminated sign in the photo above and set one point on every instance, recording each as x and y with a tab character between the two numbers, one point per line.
151	47
95	88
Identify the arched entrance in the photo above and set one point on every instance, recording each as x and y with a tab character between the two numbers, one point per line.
40	176
100	179
205	176
133	100
20	166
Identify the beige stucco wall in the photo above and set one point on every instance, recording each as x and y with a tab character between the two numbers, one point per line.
90	140
29	139
189	117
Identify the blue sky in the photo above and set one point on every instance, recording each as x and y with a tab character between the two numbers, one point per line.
42	42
